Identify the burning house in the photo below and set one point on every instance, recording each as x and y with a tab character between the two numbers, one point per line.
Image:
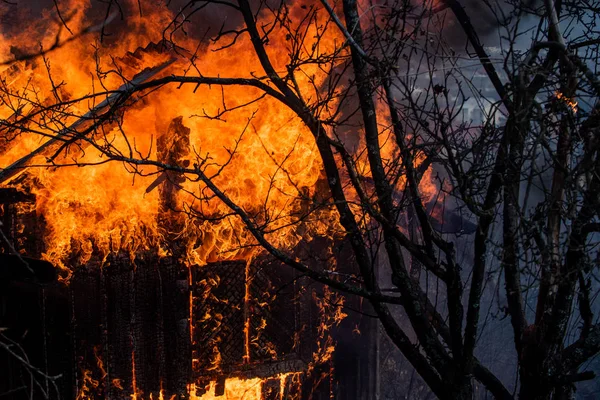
148	289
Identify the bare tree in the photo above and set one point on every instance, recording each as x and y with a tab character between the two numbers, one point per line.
437	207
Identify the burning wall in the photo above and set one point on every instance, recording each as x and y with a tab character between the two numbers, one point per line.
139	328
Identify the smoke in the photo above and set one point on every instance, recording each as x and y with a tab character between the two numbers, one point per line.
488	17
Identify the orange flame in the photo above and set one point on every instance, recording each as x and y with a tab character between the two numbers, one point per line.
569	101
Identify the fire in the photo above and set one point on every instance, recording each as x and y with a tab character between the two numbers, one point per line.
235	389
247	389
268	151
569	101
88	384
100	363
247	299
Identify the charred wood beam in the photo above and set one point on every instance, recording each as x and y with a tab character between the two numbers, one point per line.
173	148
266	370
8	198
118	281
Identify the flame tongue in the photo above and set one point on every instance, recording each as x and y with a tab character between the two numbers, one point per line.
569	101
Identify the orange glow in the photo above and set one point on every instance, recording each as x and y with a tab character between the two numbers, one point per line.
247	282
100	363
87	385
246	389
572	103
117	383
